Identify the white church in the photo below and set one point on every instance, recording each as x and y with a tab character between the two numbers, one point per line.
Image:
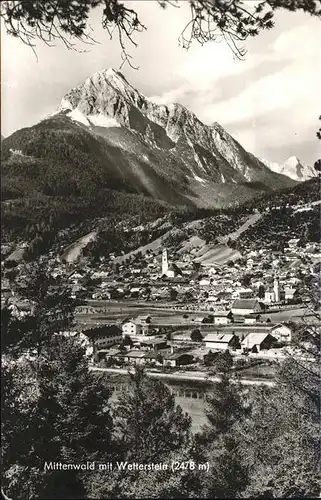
167	270
276	295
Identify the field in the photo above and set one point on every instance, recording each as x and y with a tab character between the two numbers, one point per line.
295	315
258	371
110	312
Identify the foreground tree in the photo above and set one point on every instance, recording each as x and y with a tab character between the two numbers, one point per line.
148	423
149	428
231	21
53	408
51	310
220	444
282	434
196	335
282	441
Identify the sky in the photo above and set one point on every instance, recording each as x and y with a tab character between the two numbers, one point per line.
270	102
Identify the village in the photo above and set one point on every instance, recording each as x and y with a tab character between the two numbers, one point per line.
170	314
218	309
166	311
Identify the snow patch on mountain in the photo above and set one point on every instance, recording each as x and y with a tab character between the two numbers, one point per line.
101	120
292	168
199	179
77	116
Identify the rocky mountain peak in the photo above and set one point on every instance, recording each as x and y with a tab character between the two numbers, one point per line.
292	168
292	161
206	153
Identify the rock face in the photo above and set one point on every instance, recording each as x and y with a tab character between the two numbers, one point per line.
205	153
292	168
105	134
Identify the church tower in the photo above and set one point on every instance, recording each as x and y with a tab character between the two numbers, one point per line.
276	289
164	262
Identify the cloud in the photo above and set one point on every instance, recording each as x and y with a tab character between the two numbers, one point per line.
270	101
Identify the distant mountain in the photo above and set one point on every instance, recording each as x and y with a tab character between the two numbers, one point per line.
106	134
292	168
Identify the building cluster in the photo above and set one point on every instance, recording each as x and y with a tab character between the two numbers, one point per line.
138	341
234	299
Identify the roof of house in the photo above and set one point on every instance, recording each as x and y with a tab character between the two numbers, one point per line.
176	355
102	331
135	354
278	325
153	341
142	320
127	320
112	352
154	354
221	314
244	304
223	338
254	338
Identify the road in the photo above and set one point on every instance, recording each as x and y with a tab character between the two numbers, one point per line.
192	376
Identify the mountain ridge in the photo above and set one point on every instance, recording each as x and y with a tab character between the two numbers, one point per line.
292	168
105	134
108	93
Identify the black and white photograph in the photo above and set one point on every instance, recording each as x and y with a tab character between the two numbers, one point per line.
160	249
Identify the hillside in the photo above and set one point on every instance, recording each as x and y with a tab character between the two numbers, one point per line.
225	235
127	224
108	160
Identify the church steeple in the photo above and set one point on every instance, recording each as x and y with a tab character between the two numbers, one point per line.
164	262
276	289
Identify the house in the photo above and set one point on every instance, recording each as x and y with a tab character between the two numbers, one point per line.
178	359
249	263
153	343
212	299
250	319
291	293
222	341
243	307
269	297
135	357
245	293
77	291
131	328
222	317
293	243
156	357
105	354
281	332
103	336
144	323
238	319
205	282
143	320
256	341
